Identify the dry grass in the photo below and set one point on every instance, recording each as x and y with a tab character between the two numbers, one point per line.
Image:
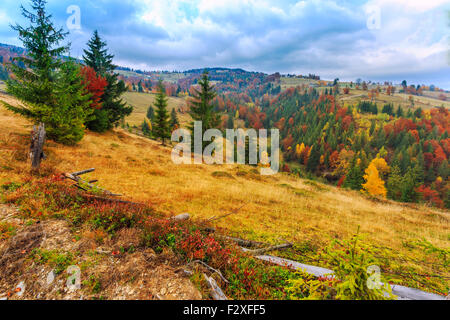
279	206
141	102
423	102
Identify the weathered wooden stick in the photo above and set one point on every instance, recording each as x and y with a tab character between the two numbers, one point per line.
79	173
79	180
37	146
216	292
262	251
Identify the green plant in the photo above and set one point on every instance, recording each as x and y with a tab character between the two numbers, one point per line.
94	284
353	261
58	260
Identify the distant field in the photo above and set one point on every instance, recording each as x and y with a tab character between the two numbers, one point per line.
168	77
141	102
294	82
356	96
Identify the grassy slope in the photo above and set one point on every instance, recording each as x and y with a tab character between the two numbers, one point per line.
141	102
277	207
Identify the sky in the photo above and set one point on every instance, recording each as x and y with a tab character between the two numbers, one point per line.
378	40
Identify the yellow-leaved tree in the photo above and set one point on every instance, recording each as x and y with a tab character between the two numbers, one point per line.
381	165
374	184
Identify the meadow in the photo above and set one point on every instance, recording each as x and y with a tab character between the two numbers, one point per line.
272	209
141	102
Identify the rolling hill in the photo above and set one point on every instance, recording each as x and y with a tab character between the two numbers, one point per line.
267	209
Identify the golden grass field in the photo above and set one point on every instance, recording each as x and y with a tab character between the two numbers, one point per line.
397	99
277	208
141	102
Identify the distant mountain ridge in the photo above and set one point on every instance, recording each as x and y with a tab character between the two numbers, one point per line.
8	51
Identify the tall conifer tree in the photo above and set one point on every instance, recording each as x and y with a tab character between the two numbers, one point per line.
50	88
161	127
113	107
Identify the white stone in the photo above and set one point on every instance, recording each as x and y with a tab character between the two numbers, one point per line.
50	277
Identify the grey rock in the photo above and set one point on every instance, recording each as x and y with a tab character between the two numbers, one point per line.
182	217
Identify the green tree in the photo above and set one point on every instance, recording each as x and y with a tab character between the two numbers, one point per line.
230	121
394	183
161	127
314	158
151	113
97	57
51	89
174	122
355	176
202	108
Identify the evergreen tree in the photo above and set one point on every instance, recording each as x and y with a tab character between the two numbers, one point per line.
151	113
394	184
161	127
314	158
355	176
230	121
97	57
202	108
50	88
400	112
174	122
147	127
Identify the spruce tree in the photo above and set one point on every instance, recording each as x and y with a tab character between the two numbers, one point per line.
97	57
151	113
355	176
174	122
113	108
161	127
314	158
49	87
202	108
230	121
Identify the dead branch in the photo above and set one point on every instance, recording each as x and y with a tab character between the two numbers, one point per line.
216	292
85	185
226	215
79	173
210	268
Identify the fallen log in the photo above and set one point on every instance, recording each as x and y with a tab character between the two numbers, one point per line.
79	173
241	242
262	251
403	293
216	292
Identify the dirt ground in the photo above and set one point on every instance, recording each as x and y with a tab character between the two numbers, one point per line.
105	273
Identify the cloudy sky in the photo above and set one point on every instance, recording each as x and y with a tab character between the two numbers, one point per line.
374	40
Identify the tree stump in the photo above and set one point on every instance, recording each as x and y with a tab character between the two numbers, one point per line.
37	146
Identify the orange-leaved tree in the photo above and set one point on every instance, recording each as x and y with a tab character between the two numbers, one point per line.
374	184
